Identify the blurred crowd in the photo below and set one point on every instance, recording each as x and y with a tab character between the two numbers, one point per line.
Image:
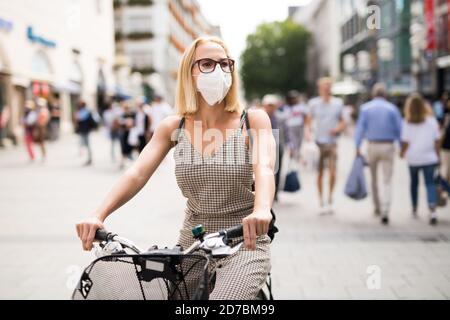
127	124
307	133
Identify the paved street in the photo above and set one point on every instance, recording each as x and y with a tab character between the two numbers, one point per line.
314	257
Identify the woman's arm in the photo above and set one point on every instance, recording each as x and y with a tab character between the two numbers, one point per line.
264	153
131	182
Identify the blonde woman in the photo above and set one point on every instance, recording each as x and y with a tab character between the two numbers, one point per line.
214	169
420	145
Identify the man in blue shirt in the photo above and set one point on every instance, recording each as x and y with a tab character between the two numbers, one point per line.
380	123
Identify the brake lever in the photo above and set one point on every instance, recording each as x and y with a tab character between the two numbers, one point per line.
218	246
108	248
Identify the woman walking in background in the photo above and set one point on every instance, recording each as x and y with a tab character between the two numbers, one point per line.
40	130
420	145
85	124
29	123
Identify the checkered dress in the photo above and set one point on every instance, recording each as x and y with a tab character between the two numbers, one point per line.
218	189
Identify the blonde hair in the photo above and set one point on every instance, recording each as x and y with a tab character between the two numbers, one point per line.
186	100
416	109
324	80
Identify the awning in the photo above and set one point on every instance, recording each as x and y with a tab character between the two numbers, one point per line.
347	87
68	86
20	81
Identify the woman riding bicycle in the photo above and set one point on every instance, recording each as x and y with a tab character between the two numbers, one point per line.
215	176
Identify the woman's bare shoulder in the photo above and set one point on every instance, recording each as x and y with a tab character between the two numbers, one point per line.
171	123
259	119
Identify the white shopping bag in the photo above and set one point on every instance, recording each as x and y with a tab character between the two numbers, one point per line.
133	137
310	154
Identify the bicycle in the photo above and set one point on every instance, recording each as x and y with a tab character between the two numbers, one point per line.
158	274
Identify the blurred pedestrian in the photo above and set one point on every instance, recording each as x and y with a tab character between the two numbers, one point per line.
55	118
127	122
111	121
348	114
295	112
4	120
29	123
445	146
40	130
380	123
85	122
158	112
420	144
271	105
143	124
439	107
326	112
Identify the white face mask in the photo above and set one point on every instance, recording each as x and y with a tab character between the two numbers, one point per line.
214	86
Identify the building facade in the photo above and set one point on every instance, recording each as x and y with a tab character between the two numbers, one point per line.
153	34
400	42
60	49
441	53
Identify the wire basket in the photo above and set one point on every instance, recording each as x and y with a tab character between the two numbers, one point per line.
145	277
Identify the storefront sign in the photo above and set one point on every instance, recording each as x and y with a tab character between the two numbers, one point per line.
430	26
40	89
448	21
6	25
38	39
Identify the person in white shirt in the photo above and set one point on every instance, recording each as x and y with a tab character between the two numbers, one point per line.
111	120
420	145
159	110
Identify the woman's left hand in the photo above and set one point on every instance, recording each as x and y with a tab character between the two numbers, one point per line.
256	224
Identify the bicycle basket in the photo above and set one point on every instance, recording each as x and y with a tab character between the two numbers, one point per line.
145	277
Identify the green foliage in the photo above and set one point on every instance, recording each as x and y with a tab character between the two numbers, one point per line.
140	35
143	70
140	2
275	59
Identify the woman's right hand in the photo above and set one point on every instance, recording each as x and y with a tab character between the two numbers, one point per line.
86	231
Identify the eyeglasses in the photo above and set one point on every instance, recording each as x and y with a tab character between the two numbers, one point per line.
209	65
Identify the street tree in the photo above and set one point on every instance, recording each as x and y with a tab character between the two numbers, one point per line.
275	59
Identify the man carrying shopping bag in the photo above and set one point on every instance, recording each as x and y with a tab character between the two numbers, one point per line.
355	186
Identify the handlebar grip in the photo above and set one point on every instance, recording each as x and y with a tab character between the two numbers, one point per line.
235	232
102	235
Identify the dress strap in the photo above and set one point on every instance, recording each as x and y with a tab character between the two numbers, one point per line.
180	126
245	121
243	116
182	121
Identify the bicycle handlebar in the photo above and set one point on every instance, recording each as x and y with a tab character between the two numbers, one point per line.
233	232
103	235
